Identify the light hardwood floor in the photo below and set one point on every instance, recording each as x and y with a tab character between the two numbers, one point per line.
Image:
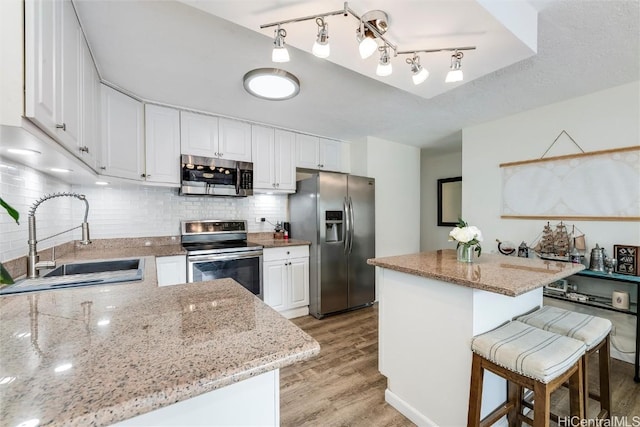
343	387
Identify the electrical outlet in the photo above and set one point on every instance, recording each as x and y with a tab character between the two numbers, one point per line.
263	219
260	219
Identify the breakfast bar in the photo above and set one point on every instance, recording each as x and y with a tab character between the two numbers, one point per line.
431	306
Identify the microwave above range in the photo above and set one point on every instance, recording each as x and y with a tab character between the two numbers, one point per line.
205	176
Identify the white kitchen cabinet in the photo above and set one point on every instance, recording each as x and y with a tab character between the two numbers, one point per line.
318	153
234	140
122	135
162	144
89	148
273	154
198	134
171	270
286	280
210	136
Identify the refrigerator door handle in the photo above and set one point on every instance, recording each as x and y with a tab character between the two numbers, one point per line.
345	232
352	224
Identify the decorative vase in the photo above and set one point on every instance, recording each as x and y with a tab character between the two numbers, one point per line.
465	253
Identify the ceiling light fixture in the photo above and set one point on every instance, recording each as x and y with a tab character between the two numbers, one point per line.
280	52
419	73
370	32
455	74
321	47
102	183
60	170
271	83
384	64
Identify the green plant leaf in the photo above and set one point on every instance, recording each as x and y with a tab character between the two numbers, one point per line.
461	223
14	213
5	277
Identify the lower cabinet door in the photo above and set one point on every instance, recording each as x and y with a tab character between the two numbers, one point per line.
171	270
274	283
298	295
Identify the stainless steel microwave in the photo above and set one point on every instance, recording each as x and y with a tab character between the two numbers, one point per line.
206	176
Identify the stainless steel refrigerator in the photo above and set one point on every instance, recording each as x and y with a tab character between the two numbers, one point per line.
335	212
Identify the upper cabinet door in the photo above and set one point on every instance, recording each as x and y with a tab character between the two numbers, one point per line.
330	155
285	160
198	134
162	144
262	146
235	140
42	45
90	147
122	135
307	151
70	83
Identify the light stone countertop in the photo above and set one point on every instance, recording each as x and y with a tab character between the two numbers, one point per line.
133	347
507	275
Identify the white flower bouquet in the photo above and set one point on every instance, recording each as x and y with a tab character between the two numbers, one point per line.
466	235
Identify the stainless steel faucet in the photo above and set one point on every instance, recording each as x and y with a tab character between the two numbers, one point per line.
33	259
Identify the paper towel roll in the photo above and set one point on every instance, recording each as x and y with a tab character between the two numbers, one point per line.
620	299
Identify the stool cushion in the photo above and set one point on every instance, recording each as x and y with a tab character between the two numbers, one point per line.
584	327
528	350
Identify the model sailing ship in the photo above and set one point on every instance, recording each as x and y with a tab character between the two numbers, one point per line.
559	244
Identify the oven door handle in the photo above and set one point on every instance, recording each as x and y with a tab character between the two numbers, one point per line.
223	257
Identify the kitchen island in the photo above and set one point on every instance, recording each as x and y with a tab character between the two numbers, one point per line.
431	306
104	354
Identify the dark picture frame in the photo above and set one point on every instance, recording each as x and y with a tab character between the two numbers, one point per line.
449	201
627	257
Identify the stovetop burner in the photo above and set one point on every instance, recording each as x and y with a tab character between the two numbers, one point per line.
215	236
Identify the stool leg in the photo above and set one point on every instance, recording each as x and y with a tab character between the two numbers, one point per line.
605	372
514	394
584	364
475	392
577	393
541	405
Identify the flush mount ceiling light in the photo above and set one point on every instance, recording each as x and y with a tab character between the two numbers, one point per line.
455	74
271	83
321	47
370	32
60	170
280	52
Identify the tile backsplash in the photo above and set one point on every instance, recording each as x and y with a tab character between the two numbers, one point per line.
120	210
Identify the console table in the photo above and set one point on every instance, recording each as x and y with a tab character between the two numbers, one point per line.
605	303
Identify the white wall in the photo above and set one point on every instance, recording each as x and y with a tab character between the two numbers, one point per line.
598	121
396	168
20	187
433	168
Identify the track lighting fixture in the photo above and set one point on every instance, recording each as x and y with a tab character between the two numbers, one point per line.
384	65
370	36
418	73
321	47
280	52
455	74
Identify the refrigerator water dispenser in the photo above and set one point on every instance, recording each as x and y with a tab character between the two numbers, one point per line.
333	226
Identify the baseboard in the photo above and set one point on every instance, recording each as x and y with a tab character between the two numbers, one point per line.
407	410
295	312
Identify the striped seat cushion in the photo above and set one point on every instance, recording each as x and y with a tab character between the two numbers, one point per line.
586	328
528	350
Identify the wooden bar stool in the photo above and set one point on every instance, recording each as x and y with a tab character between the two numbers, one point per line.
527	357
594	332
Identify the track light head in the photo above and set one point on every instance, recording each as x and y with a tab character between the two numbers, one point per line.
419	73
384	65
321	47
376	19
280	52
455	74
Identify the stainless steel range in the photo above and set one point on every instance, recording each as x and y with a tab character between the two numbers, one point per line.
219	249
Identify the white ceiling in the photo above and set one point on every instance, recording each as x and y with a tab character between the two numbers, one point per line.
173	53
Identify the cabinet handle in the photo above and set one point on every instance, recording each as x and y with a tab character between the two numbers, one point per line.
84	149
62	126
144	175
220	154
104	168
273	185
277	185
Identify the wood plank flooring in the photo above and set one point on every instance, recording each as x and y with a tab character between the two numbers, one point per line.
343	387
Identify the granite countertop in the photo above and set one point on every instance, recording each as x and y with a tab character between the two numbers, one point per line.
278	243
507	275
102	354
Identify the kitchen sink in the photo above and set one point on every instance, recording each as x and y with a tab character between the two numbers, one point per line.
82	274
95	267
